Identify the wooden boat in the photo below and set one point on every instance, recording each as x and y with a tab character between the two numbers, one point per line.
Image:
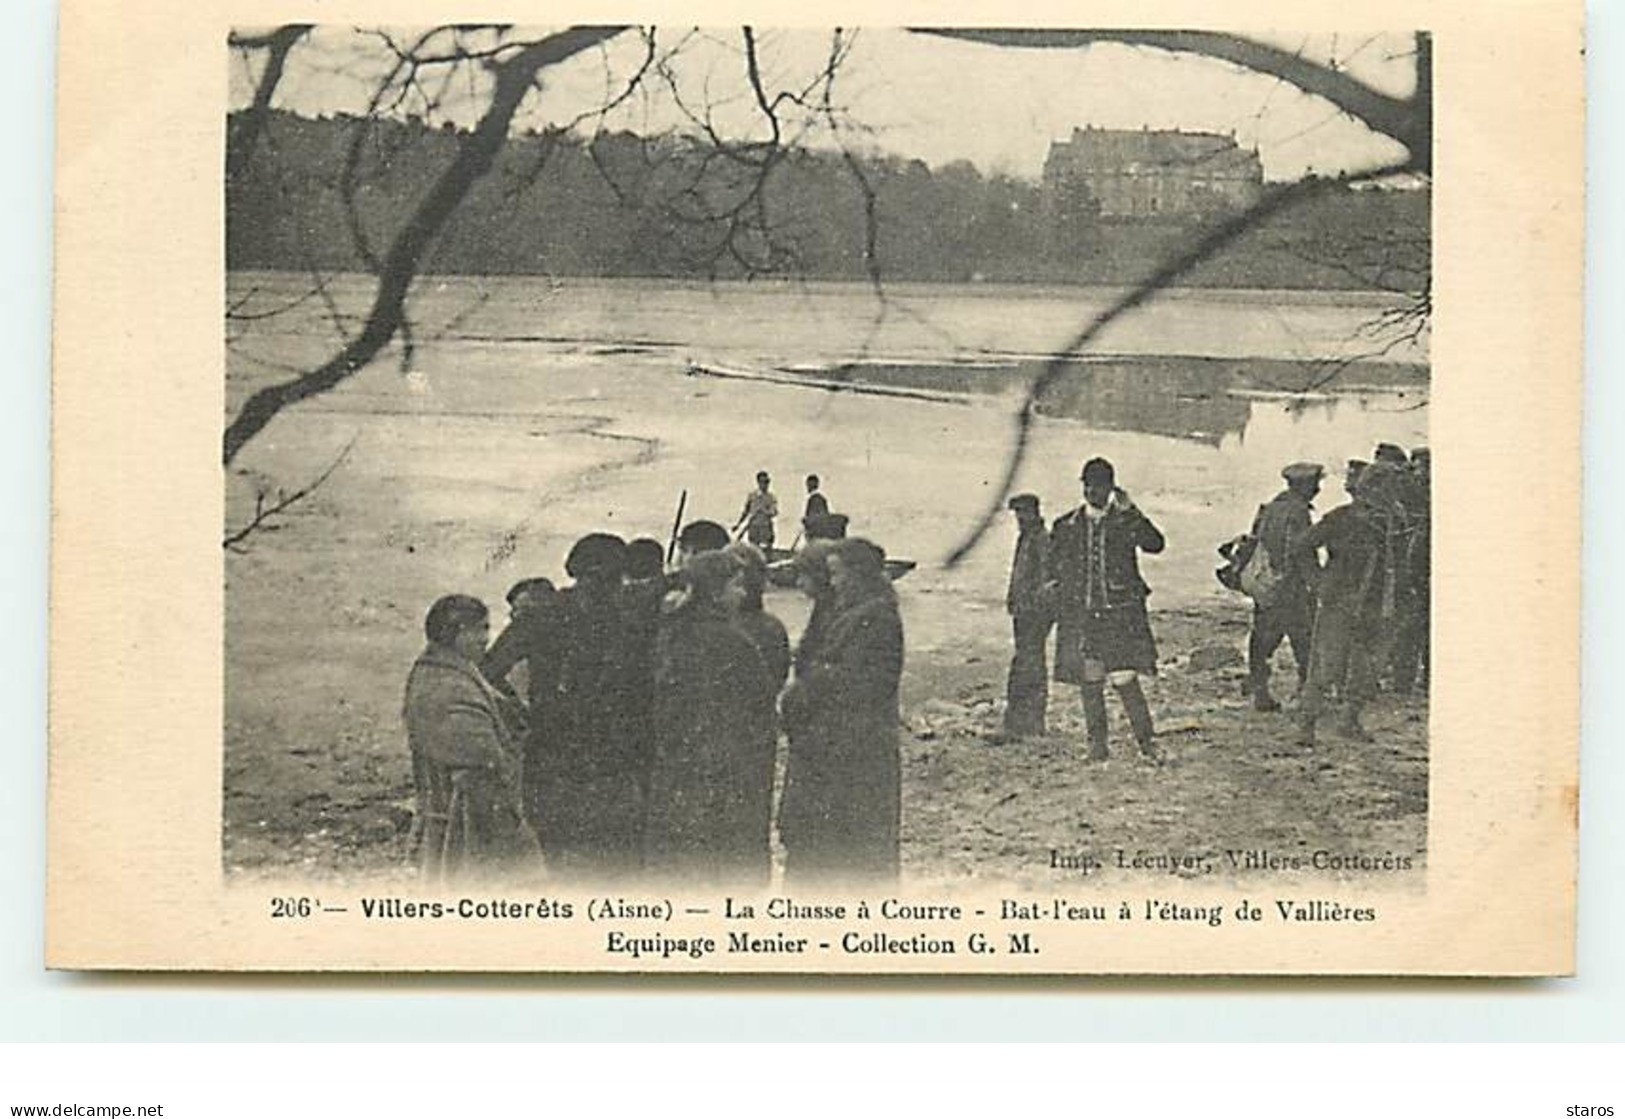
781	567
781	570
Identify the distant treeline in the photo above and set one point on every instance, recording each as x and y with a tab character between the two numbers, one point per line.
621	205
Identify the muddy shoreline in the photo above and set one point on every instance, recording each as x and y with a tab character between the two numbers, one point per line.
484	463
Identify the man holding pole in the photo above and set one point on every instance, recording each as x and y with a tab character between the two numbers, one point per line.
761	507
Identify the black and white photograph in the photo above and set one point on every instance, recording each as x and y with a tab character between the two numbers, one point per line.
772	461
774	493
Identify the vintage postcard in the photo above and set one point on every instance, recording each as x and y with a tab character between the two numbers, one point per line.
747	489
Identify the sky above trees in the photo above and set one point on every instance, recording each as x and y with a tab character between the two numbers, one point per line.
896	92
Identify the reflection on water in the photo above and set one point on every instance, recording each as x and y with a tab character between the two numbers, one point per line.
1183	400
1329	430
1248	409
1203	440
1235	405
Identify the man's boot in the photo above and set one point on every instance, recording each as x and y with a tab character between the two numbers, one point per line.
1348	724
1258	675
1258	686
1310	701
1094	719
1139	718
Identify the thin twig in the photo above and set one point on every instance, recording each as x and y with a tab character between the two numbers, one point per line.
263	513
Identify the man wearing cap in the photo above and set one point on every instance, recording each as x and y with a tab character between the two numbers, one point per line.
1392	454
1289	613
699	537
1102	631
1351	474
1032	613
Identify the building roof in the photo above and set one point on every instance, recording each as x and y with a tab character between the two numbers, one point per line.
1108	148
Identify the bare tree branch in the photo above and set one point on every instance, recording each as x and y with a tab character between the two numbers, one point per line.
1211	243
1396	327
236	313
1407	120
628	88
349	177
248	126
528	178
753	69
475	156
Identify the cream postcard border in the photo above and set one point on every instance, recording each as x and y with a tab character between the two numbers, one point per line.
134	875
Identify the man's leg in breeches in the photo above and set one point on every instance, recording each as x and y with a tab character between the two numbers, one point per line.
1261	645
1094	709
1127	685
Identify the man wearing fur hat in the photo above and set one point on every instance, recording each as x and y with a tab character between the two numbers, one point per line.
587	753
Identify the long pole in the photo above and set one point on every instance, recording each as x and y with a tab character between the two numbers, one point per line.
676	527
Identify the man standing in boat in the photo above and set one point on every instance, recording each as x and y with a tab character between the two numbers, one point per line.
761	507
817	503
817	522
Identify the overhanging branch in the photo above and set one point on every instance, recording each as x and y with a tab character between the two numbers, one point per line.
1407	120
1209	245
247	127
513	78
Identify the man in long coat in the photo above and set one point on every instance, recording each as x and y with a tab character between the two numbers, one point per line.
1289	611
1357	597
711	783
1032	616
841	813
464	764
521	645
589	761
1103	632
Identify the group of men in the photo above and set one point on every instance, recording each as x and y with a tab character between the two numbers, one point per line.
656	687
630	721
1356	621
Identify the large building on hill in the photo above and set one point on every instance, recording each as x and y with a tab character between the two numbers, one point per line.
1151	173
